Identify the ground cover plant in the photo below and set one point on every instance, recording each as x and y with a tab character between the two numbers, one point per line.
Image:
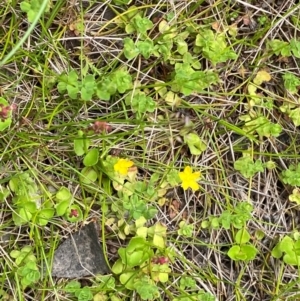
172	124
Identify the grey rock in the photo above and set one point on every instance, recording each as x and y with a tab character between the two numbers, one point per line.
80	255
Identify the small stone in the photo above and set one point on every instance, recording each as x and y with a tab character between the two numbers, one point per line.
80	255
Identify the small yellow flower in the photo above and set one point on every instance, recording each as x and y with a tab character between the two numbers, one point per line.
189	178
122	166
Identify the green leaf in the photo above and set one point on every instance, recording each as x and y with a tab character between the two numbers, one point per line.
70	83
81	145
242	236
92	157
297	247
15	253
72	287
243	252
146	289
294	114
225	219
291	258
182	47
31	8
21	216
295	47
31	14
146	48
276	251
292	175
123	80
130	49
63	194
136	243
185	229
214	47
187	282
141	103
291	82
249	250
88	87
187	80
235	253
264	127
84	294
62	207
280	47
44	216
195	143
88	175
5	124
159	241
25	6
135	259
106	88
247	167
118	267
142	24
287	245
127	279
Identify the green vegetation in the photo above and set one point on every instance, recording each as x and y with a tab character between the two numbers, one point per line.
174	125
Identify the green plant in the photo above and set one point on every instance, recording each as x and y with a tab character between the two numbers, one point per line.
104	87
28	201
280	47
27	268
195	143
195	296
65	207
292	175
69	82
187	80
137	23
139	265
82	293
242	250
187	282
295	47
32	8
185	229
146	288
213	46
237	217
81	144
289	249
294	114
145	48
285	49
136	198
291	82
140	102
247	167
33	206
261	125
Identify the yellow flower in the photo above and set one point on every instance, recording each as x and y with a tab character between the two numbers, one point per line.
189	178
122	166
